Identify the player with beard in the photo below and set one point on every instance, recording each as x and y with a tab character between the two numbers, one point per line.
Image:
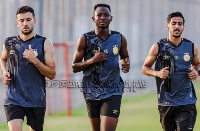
25	61
176	66
102	84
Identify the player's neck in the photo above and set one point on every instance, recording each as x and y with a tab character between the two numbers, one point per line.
102	32
26	37
174	40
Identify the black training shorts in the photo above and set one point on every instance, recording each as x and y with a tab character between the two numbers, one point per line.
105	107
180	118
35	116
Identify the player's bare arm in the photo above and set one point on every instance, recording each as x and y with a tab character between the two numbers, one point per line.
79	65
147	70
47	69
6	75
124	57
195	64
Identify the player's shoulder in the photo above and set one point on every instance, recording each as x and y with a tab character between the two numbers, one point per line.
162	40
114	32
12	40
186	40
89	33
39	36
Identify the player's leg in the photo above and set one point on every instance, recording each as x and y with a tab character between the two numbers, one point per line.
110	111
108	123
186	117
167	118
15	125
93	108
35	118
30	129
95	124
15	116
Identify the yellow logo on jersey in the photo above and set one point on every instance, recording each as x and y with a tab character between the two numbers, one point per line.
35	52
106	51
12	52
186	57
115	49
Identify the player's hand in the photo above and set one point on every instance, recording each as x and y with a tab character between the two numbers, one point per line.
29	54
125	65
193	74
99	56
163	73
6	78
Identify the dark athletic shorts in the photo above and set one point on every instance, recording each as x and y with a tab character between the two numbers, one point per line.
178	118
35	116
106	107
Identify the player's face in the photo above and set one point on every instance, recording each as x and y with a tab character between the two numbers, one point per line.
25	22
175	27
102	17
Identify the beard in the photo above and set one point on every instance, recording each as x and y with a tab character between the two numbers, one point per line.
177	36
103	27
28	32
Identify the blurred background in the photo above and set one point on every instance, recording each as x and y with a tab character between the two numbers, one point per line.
142	22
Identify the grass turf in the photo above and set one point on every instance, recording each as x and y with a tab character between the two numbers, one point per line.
138	113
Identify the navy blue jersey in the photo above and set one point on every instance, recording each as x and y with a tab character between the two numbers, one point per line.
27	88
179	59
102	80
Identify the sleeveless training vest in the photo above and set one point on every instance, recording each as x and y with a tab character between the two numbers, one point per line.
102	80
177	89
27	88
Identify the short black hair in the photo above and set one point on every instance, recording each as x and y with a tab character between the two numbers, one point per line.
102	5
175	14
25	9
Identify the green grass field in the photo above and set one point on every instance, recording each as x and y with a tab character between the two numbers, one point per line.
138	113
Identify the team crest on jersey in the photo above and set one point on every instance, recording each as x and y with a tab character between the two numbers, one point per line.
186	57
35	52
115	49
